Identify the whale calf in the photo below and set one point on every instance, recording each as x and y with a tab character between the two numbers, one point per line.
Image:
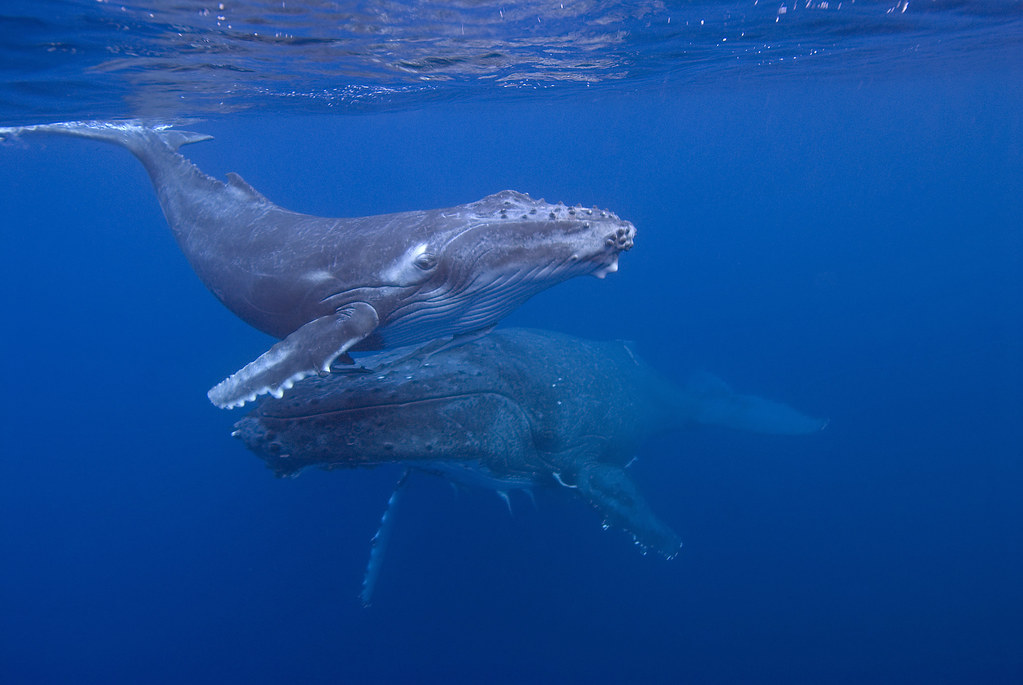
514	409
327	286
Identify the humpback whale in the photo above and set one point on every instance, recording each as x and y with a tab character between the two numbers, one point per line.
513	409
326	286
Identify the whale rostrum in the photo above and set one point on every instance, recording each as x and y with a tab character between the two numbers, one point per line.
327	286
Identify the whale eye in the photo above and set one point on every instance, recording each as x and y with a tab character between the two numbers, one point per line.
425	261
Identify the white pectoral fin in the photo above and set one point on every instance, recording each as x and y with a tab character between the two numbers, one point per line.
310	349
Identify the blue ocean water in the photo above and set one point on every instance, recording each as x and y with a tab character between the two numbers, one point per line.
829	204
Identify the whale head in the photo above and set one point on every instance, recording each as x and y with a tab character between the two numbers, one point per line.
562	241
496	253
464	268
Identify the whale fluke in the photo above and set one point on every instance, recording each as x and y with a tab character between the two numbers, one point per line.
711	402
128	133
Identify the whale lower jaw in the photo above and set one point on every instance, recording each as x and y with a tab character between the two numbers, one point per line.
609	269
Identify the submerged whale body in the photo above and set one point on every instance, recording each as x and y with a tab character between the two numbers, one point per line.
327	286
514	409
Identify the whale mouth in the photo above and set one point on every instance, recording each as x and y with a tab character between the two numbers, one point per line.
608	268
617	241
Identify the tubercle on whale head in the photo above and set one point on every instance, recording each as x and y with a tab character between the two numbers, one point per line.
616	237
622	237
590	239
511	204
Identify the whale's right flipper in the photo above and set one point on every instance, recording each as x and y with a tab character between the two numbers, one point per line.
310	349
613	494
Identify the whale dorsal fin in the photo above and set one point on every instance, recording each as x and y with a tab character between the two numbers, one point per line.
236	181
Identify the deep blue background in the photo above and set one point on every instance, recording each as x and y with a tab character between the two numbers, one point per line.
851	248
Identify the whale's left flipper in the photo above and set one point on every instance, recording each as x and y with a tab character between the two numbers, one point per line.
310	349
378	545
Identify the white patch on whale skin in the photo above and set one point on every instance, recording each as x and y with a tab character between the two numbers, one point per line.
557	477
318	276
609	269
404	270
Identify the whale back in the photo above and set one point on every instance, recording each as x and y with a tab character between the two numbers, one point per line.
510	398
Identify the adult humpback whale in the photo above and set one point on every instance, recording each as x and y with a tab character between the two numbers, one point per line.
513	409
327	286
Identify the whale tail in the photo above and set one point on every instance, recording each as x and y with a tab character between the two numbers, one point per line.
177	181
708	400
132	134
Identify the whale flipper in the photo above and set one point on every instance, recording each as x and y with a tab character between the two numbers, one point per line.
310	349
378	545
613	494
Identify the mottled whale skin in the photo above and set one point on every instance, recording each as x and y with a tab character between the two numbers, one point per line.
326	286
512	409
